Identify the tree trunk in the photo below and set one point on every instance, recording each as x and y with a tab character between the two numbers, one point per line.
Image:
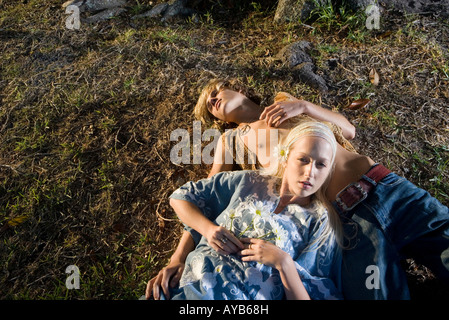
295	10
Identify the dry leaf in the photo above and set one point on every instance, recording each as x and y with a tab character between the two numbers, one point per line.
358	104
385	34
18	220
374	77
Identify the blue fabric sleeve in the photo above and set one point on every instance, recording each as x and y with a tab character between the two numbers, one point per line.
318	267
211	195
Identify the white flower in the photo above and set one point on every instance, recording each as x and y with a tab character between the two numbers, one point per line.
259	209
281	235
282	152
229	224
254	216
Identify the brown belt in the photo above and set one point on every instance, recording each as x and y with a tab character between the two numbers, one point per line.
356	192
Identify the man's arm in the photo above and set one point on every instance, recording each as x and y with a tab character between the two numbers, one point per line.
283	110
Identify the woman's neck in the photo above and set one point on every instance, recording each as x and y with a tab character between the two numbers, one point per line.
286	198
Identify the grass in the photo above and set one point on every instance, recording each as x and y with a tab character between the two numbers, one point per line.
86	116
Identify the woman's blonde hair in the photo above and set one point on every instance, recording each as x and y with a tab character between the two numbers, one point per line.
333	228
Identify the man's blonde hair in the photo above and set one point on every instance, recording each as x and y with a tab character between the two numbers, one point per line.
201	111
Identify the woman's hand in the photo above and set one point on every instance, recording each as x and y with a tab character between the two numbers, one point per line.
223	241
264	252
278	112
219	238
169	275
267	253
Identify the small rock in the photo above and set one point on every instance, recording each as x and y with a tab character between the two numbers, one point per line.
332	63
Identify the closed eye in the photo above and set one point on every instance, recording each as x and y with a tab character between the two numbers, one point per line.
322	164
213	94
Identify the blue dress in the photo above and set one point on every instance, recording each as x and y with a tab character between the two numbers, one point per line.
243	202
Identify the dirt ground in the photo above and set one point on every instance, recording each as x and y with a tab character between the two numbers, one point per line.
86	117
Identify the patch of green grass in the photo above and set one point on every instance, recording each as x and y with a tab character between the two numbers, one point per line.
386	118
439	184
332	17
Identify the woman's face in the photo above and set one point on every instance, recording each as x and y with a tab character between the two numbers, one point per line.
307	166
224	104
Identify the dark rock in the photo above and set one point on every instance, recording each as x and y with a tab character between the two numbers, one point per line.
168	11
332	63
296	58
157	10
105	14
295	53
178	8
96	5
306	73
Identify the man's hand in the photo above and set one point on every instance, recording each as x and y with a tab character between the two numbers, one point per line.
278	112
170	275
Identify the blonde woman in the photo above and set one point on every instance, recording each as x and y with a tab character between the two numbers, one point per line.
287	238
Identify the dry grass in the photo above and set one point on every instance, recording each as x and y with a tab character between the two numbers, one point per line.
86	117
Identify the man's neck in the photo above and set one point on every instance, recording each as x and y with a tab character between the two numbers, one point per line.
249	113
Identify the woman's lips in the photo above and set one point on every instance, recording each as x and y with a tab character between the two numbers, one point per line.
305	184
